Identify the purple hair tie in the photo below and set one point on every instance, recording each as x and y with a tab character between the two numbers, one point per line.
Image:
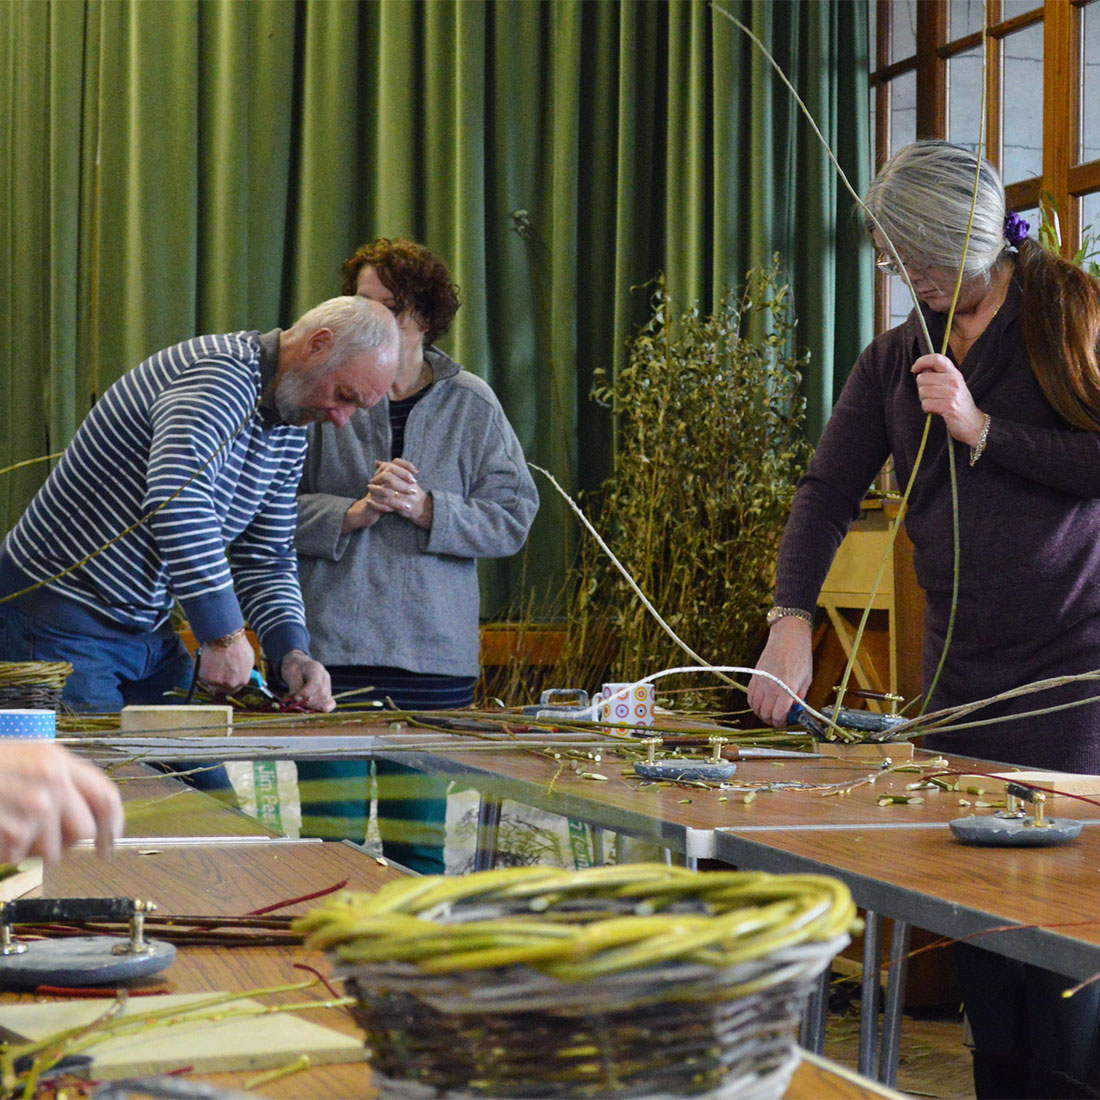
1016	229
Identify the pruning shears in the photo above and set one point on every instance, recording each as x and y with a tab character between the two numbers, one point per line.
258	684
256	687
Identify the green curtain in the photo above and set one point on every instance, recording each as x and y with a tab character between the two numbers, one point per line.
177	166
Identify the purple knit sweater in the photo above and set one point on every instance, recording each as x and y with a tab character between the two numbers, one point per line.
1029	521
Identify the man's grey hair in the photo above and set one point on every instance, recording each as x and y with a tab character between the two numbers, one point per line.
358	325
922	197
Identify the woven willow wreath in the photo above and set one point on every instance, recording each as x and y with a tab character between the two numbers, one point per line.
579	925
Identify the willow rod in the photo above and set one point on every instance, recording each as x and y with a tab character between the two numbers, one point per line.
138	523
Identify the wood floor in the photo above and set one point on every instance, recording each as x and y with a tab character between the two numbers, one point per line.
934	1062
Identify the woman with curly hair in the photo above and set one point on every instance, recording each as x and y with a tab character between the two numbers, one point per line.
393	515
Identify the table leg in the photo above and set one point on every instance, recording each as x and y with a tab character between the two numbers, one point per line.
488	827
895	1002
868	1009
812	1037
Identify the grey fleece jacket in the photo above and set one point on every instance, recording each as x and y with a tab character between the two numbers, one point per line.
394	594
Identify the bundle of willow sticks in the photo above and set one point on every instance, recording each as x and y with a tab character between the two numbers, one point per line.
639	980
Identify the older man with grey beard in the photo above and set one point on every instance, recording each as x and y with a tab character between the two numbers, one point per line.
181	485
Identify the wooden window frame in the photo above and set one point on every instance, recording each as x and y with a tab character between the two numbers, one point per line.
1064	178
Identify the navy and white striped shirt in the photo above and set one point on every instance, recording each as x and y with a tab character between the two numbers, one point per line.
223	545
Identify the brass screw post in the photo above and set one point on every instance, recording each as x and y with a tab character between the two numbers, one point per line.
136	945
716	744
1038	821
893	700
8	944
652	744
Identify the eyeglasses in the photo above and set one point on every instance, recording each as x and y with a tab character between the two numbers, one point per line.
885	263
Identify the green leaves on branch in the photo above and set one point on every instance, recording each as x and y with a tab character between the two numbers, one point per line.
709	450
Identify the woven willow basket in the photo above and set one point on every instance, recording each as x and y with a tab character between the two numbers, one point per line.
32	685
632	981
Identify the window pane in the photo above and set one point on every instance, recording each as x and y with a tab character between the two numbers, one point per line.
903	23
1089	210
965	73
903	111
966	17
1090	82
901	301
1011	8
1022	125
874	128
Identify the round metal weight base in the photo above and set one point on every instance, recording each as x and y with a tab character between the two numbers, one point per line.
997	832
79	961
685	770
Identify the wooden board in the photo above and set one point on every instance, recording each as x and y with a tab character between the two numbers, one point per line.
1060	782
184	719
867	750
211	1046
26	877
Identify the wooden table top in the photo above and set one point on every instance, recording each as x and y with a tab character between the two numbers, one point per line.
816	1078
230	880
931	880
162	805
900	860
218	880
622	801
843	795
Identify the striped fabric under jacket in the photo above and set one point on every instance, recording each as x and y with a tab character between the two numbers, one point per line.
179	441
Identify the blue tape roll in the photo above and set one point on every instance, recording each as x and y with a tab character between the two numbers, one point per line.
40	725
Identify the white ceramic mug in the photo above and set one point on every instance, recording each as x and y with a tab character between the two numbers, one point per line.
625	704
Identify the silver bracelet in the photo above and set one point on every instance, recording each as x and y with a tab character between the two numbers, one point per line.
778	613
979	447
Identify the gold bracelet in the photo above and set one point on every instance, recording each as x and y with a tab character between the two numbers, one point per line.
226	640
979	447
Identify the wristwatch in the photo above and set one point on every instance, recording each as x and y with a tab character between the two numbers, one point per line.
778	613
226	640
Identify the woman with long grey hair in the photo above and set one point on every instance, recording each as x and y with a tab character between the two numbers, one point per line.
1017	396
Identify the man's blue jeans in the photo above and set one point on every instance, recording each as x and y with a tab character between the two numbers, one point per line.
109	671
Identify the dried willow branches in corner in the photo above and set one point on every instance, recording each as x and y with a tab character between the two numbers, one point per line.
709	450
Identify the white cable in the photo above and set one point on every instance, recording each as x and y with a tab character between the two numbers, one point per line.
624	692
